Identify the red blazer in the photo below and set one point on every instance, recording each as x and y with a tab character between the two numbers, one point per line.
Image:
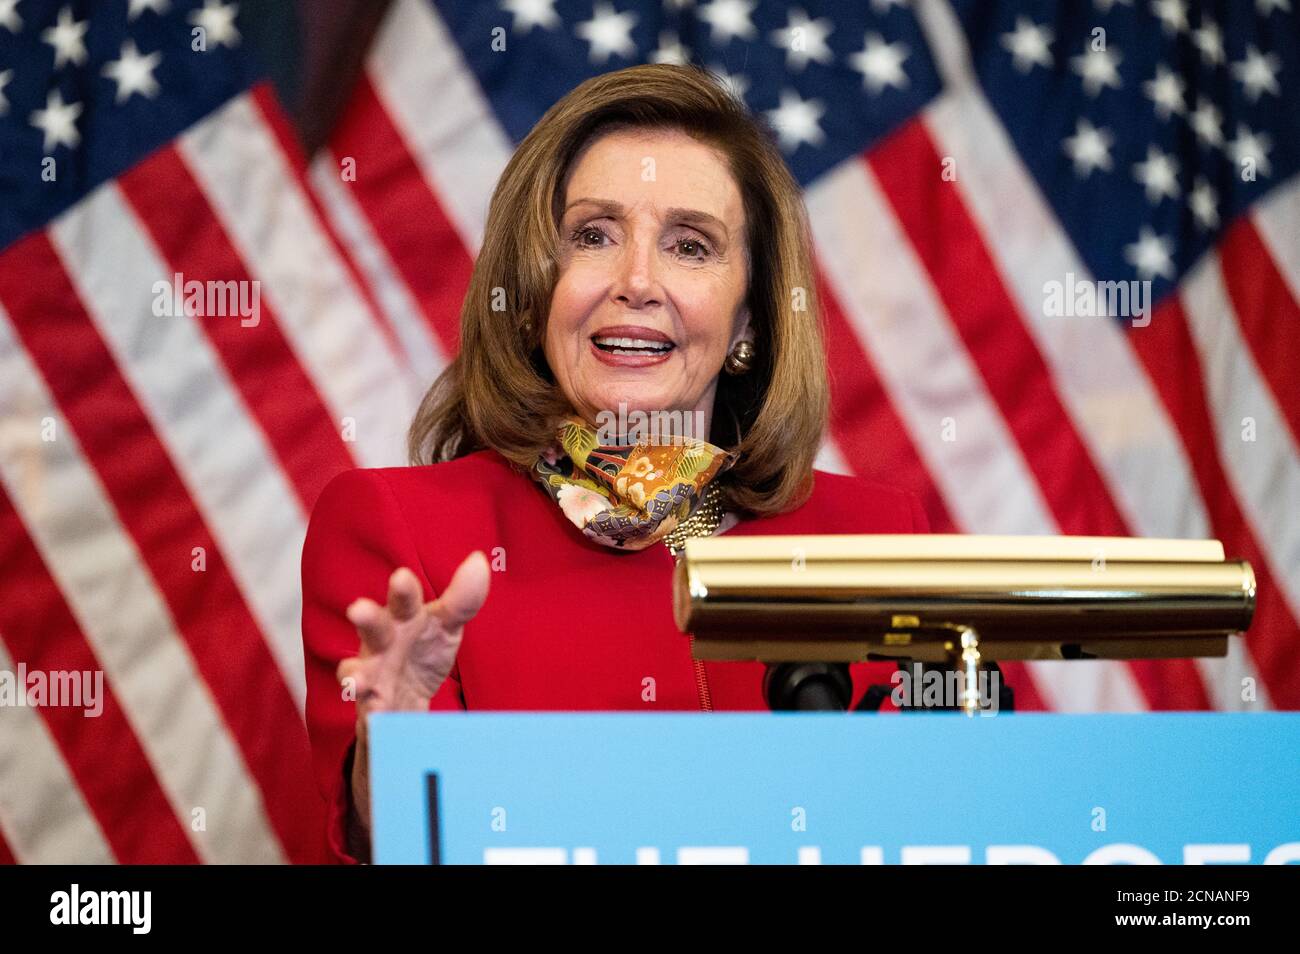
568	624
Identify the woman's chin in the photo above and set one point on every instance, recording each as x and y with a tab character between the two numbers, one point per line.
628	400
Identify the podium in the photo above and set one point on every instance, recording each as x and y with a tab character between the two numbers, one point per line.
825	788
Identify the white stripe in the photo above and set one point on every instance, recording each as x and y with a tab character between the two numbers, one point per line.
43	815
461	151
1277	218
1225	677
1265	472
923	364
830	459
100	572
254	193
220	453
400	308
1113	404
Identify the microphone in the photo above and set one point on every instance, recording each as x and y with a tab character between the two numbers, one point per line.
807	687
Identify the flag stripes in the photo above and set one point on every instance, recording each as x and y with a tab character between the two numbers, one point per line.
101	753
277	391
152	659
42	810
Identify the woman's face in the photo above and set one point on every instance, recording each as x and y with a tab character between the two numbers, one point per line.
653	275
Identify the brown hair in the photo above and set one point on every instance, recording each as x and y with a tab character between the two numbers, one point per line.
499	392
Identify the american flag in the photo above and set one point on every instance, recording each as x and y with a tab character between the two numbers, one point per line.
968	166
157	460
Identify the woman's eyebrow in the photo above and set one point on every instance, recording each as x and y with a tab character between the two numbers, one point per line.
689	216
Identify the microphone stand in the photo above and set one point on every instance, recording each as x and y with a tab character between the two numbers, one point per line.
827	687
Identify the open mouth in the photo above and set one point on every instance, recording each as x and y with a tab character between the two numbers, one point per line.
612	344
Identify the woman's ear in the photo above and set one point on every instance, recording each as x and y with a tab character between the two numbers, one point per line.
743	330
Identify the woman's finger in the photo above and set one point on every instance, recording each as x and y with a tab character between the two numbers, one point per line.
371	622
405	595
465	594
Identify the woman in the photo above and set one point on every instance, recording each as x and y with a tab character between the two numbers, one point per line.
646	251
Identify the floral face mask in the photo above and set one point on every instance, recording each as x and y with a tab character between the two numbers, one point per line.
627	496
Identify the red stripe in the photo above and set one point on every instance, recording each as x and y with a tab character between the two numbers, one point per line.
154	506
867	429
951	247
6	853
286	137
1169	354
279	394
1267	314
876	444
403	211
105	758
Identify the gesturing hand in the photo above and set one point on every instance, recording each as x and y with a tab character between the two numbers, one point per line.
409	646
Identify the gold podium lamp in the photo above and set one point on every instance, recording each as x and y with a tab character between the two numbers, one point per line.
958	599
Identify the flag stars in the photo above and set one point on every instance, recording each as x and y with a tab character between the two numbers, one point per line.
5	77
803	40
1151	255
1172	15
1257	73
1029	45
58	121
881	64
1207	122
138	7
1089	149
1265	7
1158	174
68	37
670	50
1252	148
737	83
531	13
1204	204
9	18
729	19
217	20
796	120
1209	41
1098	68
1166	92
133	72
1105	5
608	33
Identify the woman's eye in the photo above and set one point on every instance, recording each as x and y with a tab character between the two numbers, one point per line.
692	248
585	233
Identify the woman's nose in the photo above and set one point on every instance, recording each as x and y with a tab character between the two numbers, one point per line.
637	282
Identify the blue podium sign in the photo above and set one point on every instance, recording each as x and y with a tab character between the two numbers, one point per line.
624	788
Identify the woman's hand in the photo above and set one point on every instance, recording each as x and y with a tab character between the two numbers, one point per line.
408	648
